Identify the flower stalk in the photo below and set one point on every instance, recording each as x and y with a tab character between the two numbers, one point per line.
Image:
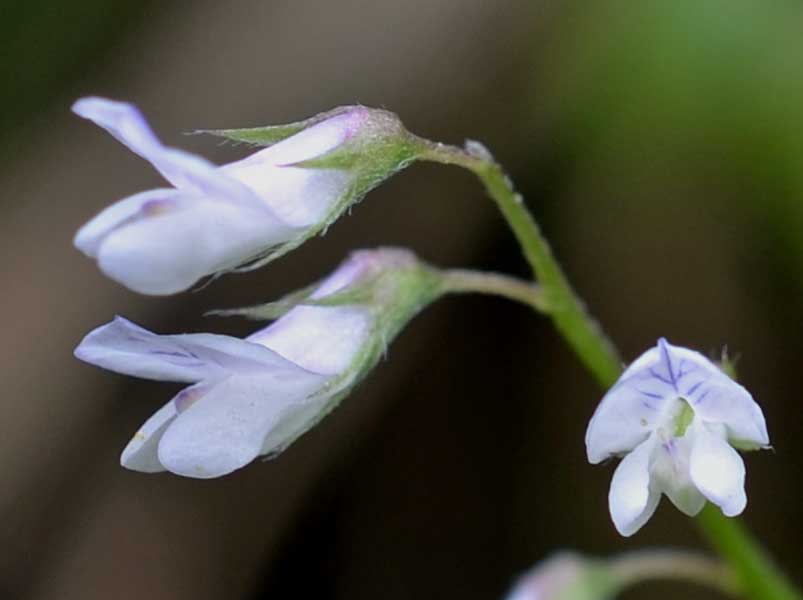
673	565
466	281
756	573
563	305
571	576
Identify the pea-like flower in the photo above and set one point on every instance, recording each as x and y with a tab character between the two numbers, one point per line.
566	576
254	396
216	219
676	418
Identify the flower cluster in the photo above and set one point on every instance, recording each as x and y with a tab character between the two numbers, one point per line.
674	416
251	397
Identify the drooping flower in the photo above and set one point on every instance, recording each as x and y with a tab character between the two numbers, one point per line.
255	396
566	576
216	219
676	418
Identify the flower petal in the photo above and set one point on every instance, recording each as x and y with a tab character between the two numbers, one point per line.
182	169
301	196
639	401
227	427
317	140
632	499
715	396
325	339
626	416
141	452
648	358
717	470
185	239
322	339
719	399
90	236
295	420
670	473
124	347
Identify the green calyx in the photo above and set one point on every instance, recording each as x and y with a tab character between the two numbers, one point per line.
394	286
272	134
569	576
379	145
596	583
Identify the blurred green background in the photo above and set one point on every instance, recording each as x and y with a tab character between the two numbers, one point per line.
660	144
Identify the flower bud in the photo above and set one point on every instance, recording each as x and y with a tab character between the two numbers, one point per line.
242	214
566	576
254	397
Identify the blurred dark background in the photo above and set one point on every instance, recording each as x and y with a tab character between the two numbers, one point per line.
660	144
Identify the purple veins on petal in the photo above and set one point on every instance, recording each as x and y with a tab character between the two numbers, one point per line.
170	353
661	378
696	458
694	388
666	358
702	396
681	372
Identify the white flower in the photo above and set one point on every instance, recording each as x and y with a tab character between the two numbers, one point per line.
255	396
565	576
675	417
214	219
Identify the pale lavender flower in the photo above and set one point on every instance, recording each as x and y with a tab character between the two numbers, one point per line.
255	396
214	219
676	418
565	576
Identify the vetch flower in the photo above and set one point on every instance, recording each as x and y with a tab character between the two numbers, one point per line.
566	576
254	397
676	418
216	219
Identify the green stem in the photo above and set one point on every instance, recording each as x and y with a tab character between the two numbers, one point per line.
757	574
463	281
645	565
565	308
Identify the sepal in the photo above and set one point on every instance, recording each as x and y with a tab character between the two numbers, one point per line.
272	134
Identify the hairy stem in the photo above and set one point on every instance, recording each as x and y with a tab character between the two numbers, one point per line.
462	281
646	565
564	306
755	571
